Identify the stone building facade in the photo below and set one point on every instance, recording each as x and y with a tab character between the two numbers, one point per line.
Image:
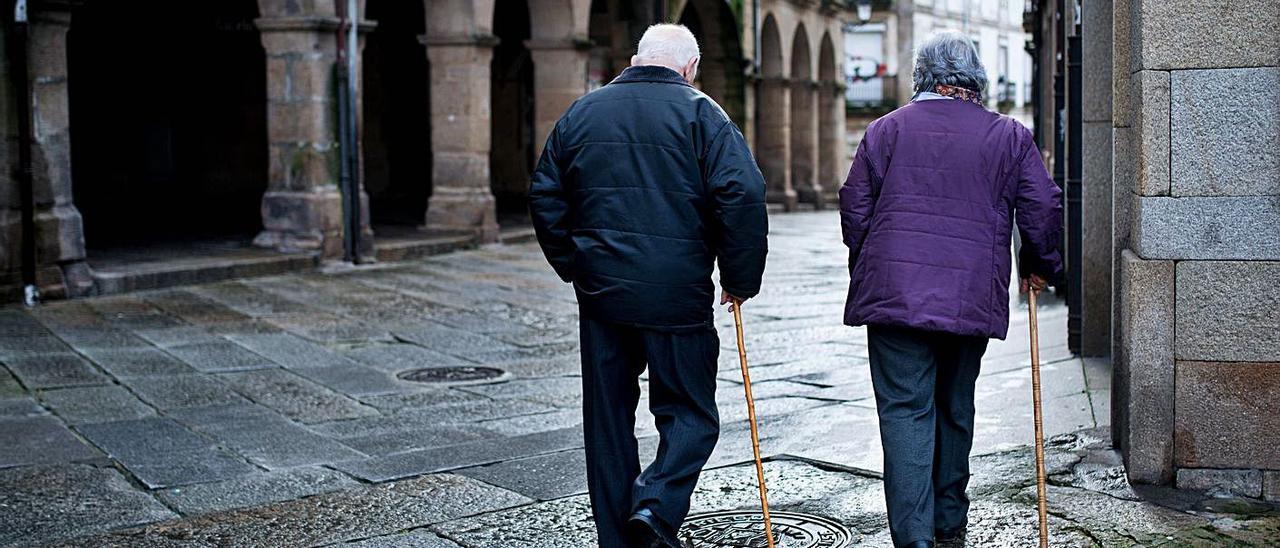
1176	126
163	121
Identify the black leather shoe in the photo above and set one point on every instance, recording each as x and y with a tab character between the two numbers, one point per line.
954	538
644	531
641	535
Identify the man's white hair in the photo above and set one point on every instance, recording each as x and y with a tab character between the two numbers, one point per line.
668	43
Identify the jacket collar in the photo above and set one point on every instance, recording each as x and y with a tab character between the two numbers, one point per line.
649	73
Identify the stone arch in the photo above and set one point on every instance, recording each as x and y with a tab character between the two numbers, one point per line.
773	113
830	117
721	71
804	120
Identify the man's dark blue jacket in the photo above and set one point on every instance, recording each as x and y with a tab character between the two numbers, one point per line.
642	186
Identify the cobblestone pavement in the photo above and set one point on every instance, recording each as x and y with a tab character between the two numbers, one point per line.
269	412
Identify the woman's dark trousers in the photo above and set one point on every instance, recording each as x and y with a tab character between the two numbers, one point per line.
924	384
682	387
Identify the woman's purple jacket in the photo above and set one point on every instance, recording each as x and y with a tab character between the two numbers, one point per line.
927	212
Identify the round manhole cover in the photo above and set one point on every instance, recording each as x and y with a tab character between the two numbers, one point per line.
450	374
746	529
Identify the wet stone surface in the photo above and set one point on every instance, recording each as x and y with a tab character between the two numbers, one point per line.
268	412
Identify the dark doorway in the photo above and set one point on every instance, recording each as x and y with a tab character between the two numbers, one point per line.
397	114
168	110
511	157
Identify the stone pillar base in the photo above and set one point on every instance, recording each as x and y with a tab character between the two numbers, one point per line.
302	222
468	210
787	197
812	194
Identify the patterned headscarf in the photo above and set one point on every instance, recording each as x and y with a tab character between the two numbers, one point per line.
960	93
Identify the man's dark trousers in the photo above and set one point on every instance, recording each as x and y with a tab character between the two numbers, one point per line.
682	385
924	384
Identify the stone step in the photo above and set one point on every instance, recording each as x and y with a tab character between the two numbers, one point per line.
406	248
122	277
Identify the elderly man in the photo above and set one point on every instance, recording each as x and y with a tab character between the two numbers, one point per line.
643	186
927	212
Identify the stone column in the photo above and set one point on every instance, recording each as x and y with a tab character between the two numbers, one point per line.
1096	264
559	78
302	208
804	141
1199	341
833	164
461	199
905	27
774	139
60	248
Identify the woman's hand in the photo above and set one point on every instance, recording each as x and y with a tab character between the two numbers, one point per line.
1034	282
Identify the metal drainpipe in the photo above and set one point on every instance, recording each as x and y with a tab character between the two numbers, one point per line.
18	62
349	179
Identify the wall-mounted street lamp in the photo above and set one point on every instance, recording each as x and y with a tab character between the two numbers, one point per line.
864	10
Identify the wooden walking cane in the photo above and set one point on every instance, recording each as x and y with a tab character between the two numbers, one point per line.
751	416
1041	503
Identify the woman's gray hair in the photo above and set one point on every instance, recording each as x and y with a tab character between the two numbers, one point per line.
949	58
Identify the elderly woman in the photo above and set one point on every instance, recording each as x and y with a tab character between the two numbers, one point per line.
927	212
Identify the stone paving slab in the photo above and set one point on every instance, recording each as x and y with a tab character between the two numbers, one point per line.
555	391
14	408
454	342
254	490
40	440
454	406
9	387
426	461
179	391
30	345
219	356
415	539
179	334
54	371
136	362
536	422
265	438
87	338
562	366
193	308
543	477
90	404
295	397
249	300
352	514
46	503
412	435
451	411
329	329
396	357
358	380
161	452
290	351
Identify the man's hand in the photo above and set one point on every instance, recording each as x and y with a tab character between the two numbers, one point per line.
1034	282
726	298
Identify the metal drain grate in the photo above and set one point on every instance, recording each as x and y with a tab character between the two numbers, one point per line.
745	529
437	375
